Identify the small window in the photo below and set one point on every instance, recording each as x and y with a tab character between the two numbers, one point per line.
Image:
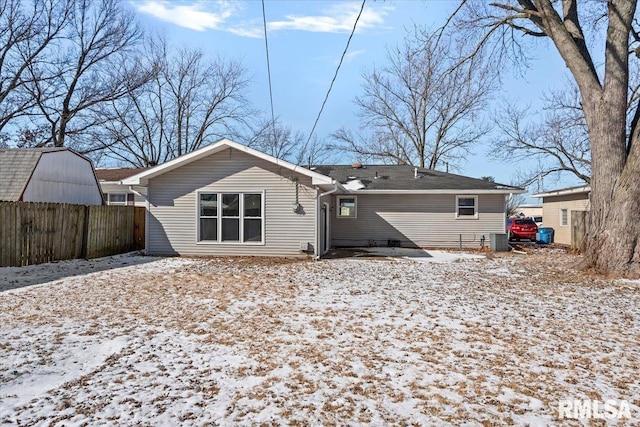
117	199
564	217
466	206
347	207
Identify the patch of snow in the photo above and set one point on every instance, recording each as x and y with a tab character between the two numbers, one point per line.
420	255
353	185
180	341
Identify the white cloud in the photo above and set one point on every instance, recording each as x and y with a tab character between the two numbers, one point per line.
199	16
349	56
256	32
338	18
205	15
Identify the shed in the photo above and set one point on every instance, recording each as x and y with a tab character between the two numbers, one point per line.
55	175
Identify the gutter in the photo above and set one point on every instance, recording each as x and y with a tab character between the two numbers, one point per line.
457	192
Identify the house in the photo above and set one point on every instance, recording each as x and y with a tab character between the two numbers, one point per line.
557	206
527	210
116	193
229	199
58	175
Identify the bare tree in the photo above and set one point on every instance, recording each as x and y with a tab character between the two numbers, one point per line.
27	30
282	142
555	139
191	101
95	63
422	107
613	237
513	202
276	139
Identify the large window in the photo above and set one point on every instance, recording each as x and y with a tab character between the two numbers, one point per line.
238	218
347	207
467	207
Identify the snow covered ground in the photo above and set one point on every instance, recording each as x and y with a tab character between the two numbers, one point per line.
388	341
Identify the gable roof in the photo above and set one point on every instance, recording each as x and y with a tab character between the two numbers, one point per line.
142	178
116	174
16	167
579	189
402	178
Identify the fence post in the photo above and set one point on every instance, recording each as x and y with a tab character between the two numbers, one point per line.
85	232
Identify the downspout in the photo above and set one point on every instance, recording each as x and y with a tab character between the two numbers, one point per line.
316	249
146	216
137	193
318	197
326	193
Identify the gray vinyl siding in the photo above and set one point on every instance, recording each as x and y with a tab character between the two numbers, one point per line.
172	220
417	221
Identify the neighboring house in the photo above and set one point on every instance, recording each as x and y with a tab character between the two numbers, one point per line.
528	210
229	199
114	192
557	206
58	175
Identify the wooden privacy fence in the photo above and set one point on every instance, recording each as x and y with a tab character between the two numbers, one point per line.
34	233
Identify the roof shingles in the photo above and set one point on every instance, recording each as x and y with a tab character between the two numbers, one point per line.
116	174
402	177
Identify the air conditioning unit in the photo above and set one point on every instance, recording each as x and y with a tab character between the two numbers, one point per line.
499	242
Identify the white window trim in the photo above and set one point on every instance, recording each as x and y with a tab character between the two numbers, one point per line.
110	203
355	208
476	207
219	219
560	222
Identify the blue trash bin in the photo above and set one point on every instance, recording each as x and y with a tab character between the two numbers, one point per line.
545	235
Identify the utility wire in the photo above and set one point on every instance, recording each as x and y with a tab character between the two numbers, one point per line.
344	53
266	46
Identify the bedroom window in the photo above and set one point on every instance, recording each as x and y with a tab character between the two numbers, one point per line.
230	217
347	207
466	206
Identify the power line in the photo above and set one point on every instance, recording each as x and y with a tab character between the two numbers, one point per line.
344	53
266	46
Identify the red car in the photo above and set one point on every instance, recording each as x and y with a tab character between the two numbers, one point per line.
524	228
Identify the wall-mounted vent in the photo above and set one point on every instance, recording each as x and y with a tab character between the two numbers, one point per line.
306	247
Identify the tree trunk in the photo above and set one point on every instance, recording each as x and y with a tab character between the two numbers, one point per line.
614	223
611	244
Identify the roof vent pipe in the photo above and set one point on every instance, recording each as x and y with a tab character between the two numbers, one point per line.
415	172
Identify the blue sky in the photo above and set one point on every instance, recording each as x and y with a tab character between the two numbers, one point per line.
306	39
